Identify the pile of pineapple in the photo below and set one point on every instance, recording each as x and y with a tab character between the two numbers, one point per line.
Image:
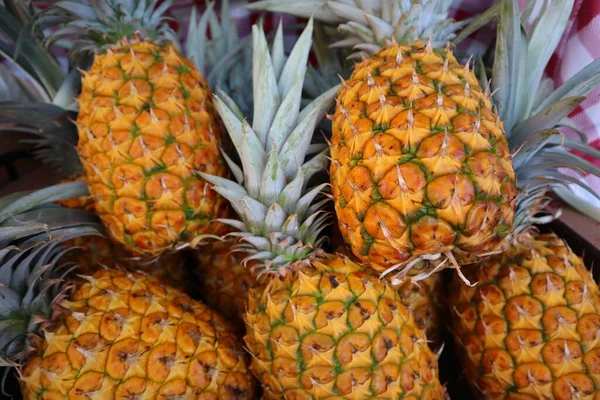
198	249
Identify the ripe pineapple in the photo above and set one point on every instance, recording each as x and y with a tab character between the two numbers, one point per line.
122	335
115	335
528	329
146	125
423	298
322	327
420	164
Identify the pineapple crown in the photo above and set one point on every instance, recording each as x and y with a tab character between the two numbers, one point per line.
281	217
31	228
533	111
51	130
224	59
330	64
87	25
40	102
34	73
370	25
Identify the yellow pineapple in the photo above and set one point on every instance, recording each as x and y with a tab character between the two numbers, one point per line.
321	327
420	163
114	334
146	125
529	327
91	253
122	335
423	298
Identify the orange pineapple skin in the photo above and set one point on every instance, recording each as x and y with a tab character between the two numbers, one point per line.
147	125
333	330
530	328
125	335
420	164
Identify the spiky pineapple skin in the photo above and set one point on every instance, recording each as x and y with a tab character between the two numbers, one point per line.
146	126
424	299
123	335
530	327
334	331
224	280
420	164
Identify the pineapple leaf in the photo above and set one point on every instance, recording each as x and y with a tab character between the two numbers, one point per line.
9	301
68	90
43	221
295	147
39	63
579	146
304	203
546	33
273	179
320	102
305	8
197	30
230	104
298	57
275	218
570	124
230	119
235	169
578	85
277	53
225	183
252	155
568	160
381	30
577	200
27	200
534	144
348	12
255	213
287	115
510	57
83	11
266	94
479	21
547	118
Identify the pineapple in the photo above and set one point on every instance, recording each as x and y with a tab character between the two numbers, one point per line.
321	327
146	124
420	163
423	298
528	329
115	334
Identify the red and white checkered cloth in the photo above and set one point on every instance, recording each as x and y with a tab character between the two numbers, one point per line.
579	46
